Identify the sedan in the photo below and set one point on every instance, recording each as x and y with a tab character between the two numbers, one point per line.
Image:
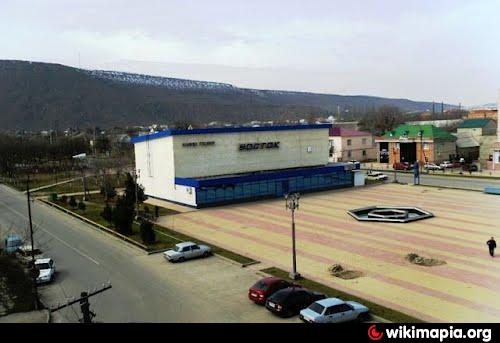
46	270
432	166
289	301
401	166
334	310
266	287
376	175
187	250
446	164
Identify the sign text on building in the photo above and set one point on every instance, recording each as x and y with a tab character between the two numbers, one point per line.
258	146
194	144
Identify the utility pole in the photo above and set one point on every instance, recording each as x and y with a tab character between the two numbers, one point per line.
292	203
34	271
84	304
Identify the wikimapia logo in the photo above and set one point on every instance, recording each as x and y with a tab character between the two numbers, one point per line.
404	332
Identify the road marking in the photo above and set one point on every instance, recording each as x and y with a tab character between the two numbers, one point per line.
51	234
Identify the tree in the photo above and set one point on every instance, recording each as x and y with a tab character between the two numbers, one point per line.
123	216
147	232
107	213
108	190
381	121
130	191
82	206
72	202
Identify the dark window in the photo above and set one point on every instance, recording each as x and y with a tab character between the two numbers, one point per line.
334	309
315	307
349	142
195	247
364	152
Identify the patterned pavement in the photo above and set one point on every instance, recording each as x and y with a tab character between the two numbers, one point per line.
466	289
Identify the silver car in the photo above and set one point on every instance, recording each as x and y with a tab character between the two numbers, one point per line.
334	310
187	250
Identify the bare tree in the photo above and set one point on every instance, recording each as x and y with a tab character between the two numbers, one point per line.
384	119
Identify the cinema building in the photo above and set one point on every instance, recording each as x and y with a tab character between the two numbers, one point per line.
206	167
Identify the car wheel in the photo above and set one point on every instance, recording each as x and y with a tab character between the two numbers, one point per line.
206	254
181	259
362	317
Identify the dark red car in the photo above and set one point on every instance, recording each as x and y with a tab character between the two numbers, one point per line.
402	166
266	287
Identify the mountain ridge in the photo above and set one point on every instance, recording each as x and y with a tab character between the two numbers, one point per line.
36	95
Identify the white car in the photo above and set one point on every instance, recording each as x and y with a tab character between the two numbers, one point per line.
432	166
376	175
334	310
446	164
46	269
187	250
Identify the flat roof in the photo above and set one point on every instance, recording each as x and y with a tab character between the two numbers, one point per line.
167	133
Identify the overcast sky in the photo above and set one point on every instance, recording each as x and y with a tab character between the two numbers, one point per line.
442	50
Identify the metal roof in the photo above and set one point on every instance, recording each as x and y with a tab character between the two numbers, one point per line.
474	123
167	133
413	132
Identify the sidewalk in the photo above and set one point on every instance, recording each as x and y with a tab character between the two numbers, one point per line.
448	172
53	185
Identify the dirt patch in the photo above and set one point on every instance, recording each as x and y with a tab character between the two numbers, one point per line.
338	271
424	261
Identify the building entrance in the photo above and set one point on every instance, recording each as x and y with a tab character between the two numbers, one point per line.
408	152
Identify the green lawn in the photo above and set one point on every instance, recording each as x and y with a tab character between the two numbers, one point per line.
375	309
165	237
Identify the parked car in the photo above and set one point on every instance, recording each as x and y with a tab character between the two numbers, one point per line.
376	175
46	269
334	310
446	164
402	166
187	250
25	252
12	243
266	287
432	166
289	301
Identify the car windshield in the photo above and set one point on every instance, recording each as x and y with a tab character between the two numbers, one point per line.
315	307
178	248
261	285
42	266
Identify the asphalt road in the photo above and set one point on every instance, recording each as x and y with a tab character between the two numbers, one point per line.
145	288
470	183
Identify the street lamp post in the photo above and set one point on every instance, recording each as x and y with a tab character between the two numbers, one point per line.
137	173
82	157
292	204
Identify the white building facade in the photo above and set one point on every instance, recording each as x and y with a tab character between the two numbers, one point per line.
205	167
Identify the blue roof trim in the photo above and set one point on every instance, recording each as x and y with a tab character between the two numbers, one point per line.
167	133
192	182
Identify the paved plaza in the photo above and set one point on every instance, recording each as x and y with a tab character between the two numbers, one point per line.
465	289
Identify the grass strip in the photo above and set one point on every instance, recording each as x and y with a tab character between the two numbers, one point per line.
375	309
